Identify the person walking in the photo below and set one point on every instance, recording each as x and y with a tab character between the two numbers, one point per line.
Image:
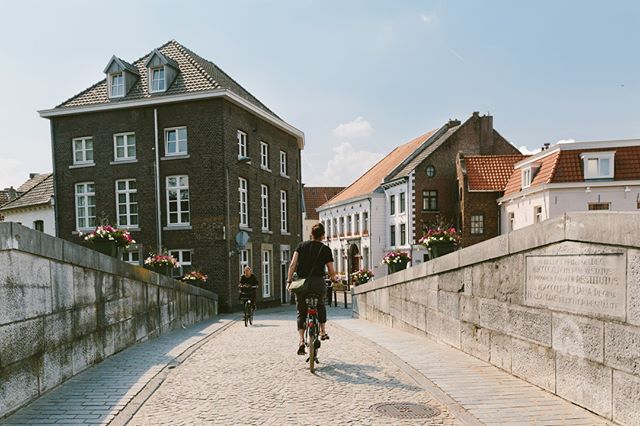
309	262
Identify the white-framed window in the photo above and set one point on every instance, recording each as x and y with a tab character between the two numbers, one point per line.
284	171
537	214
83	150
85	206
242	144
127	203
342	232
175	141
264	203
284	219
244	257
365	257
158	83
365	223
599	206
117	85
124	146
184	259
264	155
526	177
512	221
403	234
266	273
356	230
403	202
132	257
392	204
598	165
349	225
392	235
477	224
243	190
178	200
38	225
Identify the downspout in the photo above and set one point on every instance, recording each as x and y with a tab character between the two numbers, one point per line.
55	182
227	230
157	170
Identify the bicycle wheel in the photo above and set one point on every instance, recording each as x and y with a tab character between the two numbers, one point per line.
251	315
246	313
312	350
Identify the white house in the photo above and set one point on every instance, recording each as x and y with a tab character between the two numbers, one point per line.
34	206
583	176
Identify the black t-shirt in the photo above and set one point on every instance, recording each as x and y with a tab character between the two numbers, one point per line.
250	280
310	252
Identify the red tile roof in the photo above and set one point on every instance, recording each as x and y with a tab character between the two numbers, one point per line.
315	196
489	172
372	178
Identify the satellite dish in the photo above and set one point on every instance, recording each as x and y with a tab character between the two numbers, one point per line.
242	238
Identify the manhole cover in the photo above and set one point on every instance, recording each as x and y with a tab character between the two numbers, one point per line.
406	410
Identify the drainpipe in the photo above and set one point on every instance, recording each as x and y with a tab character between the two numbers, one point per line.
226	237
157	171
53	162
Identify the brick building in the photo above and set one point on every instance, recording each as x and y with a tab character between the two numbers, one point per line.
174	149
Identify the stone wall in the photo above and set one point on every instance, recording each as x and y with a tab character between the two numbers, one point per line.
557	304
64	307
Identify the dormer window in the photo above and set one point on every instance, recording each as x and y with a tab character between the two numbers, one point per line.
117	85
158	83
526	178
598	165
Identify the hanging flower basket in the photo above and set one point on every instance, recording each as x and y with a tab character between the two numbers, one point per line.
161	263
440	240
362	276
195	277
107	239
396	261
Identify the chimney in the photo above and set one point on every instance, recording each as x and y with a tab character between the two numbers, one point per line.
546	146
32	175
453	122
11	193
486	134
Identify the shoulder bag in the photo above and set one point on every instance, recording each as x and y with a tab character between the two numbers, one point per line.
300	286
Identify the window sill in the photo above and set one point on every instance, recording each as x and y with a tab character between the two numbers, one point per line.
127	161
177	228
245	228
266	169
285	176
130	229
175	157
266	231
430	211
82	231
285	233
80	166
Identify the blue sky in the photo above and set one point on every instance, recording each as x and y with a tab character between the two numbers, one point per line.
358	77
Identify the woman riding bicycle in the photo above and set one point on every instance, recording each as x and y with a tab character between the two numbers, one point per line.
309	261
248	285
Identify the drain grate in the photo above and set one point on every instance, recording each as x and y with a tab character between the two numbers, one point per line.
406	410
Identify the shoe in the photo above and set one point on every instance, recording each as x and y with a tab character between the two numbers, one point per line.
324	336
301	350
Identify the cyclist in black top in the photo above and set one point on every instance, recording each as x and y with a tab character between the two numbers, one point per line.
248	285
309	261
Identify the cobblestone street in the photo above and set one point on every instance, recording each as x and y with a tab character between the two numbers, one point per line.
253	376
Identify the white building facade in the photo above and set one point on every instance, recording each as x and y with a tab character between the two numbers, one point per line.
34	207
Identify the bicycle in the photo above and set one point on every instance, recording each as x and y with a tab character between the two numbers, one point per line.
248	308
312	330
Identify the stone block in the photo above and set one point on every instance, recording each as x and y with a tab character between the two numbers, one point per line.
80	256
449	304
502	279
579	336
529	237
450	331
20	340
633	286
530	324
85	320
434	323
470	309
86	351
85	283
467	281
485	250
445	263
57	367
58	329
51	246
18	385
22	302
112	287
626	398
622	347
584	382
616	228
475	341
62	286
494	315
6	236
432	299
500	350
534	363
451	281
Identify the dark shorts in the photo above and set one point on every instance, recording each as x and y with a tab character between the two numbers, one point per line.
317	287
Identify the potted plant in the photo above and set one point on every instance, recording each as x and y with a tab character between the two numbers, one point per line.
195	277
396	261
362	276
440	240
107	239
161	263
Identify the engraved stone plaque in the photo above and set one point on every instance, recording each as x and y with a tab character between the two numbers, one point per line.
590	284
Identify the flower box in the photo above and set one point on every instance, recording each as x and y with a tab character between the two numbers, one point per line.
396	261
440	240
107	239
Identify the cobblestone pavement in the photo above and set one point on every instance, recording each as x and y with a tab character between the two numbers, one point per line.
252	376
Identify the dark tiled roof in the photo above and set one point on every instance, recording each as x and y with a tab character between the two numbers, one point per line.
315	196
489	172
4	198
196	75
38	194
36	179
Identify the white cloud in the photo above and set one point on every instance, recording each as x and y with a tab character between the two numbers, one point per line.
11	173
347	165
526	151
426	18
357	128
566	141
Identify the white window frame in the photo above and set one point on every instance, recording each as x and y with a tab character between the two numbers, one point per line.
152	80
392	236
537	214
284	219
356	224
264	207
243	197
264	156
126	136
284	172
177	141
403	234
244	259
242	144
112	86
266	273
527	174
127	256
599	157
83	150
392	204
128	204
365	222
89	200
179	255
603	203
179	191
478	229
512	221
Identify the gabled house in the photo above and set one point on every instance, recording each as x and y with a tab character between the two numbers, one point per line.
34	207
314	197
580	176
172	148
